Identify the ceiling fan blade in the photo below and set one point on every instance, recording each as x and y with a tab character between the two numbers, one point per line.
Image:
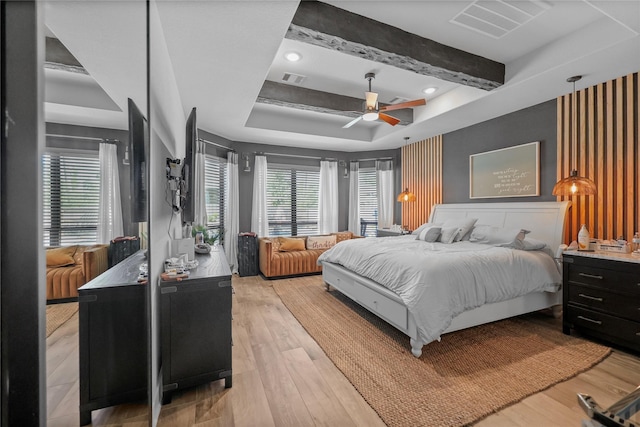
408	104
371	100
352	122
387	118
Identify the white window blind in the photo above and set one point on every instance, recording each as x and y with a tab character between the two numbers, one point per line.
215	183
71	198
292	200
368	201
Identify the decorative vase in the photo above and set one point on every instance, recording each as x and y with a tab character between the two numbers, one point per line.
583	238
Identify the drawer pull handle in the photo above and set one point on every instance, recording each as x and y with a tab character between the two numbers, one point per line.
638	334
597	322
591	276
591	298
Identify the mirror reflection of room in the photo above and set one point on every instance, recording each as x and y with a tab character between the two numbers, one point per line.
94	170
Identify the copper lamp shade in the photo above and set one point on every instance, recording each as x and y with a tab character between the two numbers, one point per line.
406	196
574	185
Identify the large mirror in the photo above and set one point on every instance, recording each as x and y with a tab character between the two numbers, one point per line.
95	199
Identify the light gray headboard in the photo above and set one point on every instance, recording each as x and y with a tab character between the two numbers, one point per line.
545	220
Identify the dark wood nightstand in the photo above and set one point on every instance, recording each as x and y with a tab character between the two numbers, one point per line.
601	296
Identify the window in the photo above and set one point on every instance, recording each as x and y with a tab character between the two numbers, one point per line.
368	201
292	200
215	183
71	197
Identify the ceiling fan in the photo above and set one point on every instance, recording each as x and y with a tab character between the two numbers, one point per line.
372	112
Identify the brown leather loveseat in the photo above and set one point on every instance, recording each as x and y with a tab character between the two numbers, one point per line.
70	267
296	255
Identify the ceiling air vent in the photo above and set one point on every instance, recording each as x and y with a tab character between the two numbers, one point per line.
294	79
495	18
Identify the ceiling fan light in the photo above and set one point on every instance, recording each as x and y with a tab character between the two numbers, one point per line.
369	117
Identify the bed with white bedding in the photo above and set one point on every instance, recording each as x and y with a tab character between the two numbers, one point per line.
426	289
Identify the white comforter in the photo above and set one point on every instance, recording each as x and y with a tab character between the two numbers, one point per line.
438	281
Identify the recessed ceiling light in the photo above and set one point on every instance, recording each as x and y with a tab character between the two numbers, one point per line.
292	56
430	90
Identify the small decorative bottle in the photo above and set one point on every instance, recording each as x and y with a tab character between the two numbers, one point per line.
583	238
635	243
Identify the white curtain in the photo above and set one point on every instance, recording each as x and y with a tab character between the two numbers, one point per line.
328	197
354	198
110	213
200	202
386	197
232	212
259	218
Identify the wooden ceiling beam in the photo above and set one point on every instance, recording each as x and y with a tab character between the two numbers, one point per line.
301	98
333	28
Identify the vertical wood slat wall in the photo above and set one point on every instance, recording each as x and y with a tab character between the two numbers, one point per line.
422	175
608	153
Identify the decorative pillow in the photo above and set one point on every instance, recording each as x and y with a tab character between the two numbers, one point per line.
61	257
429	234
342	235
321	242
497	236
448	234
291	244
464	224
423	226
530	244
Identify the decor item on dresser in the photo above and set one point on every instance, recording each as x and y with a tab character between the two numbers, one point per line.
70	267
507	172
602	296
295	255
122	247
422	288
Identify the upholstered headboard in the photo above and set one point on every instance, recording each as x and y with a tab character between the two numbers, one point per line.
545	220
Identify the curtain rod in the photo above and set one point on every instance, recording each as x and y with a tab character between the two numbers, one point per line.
88	138
217	145
368	160
298	156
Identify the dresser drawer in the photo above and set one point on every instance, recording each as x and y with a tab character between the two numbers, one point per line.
619	281
605	326
603	300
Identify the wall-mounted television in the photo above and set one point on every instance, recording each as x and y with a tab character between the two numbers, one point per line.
188	179
138	150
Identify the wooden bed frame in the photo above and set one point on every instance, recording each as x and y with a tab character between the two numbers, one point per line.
545	220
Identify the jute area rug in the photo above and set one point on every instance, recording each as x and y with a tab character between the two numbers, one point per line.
57	314
462	379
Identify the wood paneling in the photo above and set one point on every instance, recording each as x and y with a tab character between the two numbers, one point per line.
422	175
607	152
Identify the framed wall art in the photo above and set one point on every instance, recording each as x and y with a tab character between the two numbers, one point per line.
507	172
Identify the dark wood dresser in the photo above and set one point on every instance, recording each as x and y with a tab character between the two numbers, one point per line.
195	322
601	296
113	338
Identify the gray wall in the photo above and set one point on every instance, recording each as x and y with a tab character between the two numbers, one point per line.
130	229
537	123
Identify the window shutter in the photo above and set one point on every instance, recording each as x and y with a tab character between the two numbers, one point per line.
71	198
368	199
215	184
292	200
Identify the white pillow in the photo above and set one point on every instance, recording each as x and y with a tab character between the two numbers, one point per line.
497	236
448	234
423	226
429	234
465	225
321	242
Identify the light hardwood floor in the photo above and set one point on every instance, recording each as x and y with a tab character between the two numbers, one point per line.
281	377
